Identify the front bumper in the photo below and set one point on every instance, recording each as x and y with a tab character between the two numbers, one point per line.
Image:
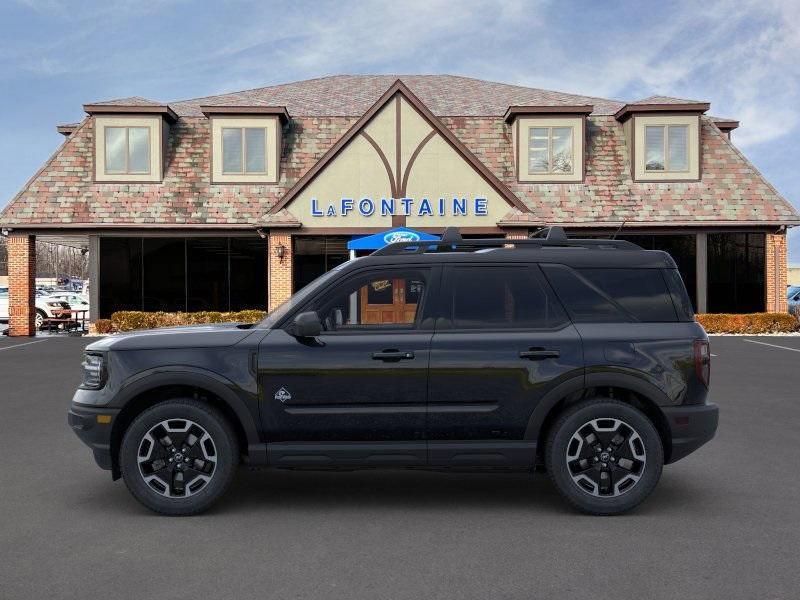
93	426
690	427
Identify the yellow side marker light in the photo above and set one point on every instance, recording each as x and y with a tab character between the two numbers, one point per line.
104	419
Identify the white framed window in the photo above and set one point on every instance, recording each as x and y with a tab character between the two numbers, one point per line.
666	148
127	150
550	150
244	150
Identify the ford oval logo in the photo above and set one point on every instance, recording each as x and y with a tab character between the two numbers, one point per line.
400	236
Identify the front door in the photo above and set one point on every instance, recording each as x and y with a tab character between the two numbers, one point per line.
502	342
360	380
389	301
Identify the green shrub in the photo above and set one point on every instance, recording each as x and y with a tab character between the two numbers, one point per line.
128	320
751	323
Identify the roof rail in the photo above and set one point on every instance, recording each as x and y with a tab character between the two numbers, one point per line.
549	237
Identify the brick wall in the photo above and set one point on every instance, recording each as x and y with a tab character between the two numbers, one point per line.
280	271
775	273
21	284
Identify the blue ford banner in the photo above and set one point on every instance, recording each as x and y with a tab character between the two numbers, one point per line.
384	238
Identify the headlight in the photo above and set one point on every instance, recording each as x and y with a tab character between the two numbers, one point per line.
53	304
93	371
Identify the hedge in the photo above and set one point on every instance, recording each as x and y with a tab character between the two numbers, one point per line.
749	323
128	320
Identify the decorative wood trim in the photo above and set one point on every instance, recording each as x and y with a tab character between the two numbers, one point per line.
399	87
630	109
412	158
131	109
384	160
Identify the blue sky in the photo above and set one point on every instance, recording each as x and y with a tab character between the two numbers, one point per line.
56	55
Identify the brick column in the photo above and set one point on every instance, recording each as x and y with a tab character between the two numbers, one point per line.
775	273
280	270
21	284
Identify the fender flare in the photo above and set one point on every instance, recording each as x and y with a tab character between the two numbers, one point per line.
590	380
195	377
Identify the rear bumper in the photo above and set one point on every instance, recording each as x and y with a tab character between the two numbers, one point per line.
93	432
690	427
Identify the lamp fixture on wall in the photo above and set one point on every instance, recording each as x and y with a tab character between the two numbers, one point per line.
280	252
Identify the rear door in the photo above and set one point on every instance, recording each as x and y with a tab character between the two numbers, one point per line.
502	342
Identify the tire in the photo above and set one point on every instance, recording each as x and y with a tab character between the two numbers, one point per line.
632	467
163	433
39	319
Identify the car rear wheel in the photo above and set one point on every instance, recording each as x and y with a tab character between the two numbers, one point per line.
39	318
178	457
604	456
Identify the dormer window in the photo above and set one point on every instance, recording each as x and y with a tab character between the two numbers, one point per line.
127	150
550	150
666	148
245	143
244	150
548	142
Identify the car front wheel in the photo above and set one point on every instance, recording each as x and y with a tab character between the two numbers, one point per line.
178	457
604	456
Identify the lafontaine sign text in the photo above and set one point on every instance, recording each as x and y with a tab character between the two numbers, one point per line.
422	207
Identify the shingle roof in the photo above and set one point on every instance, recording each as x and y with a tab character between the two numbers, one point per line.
665	100
63	193
130	101
352	95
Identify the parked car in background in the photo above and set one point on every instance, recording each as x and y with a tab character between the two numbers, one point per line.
47	307
793	296
3	304
76	301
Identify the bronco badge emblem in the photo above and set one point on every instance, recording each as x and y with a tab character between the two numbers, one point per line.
283	395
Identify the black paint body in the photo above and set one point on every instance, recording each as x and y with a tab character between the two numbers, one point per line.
472	399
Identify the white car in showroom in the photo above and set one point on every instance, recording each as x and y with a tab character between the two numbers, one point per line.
47	307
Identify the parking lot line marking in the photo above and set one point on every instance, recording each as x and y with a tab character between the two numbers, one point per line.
20	345
773	345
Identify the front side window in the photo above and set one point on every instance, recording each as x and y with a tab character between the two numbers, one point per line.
492	297
550	150
127	150
244	150
666	147
386	299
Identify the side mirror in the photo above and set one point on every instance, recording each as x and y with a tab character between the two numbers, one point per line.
305	325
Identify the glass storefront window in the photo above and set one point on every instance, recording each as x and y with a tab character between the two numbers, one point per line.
180	274
735	272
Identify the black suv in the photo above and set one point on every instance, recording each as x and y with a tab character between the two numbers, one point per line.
579	357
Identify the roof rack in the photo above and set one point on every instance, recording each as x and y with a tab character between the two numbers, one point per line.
548	237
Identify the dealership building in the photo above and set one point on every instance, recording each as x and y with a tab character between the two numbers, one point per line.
235	201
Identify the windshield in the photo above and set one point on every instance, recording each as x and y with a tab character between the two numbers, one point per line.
299	297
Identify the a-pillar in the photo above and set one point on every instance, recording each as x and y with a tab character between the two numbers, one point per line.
21	284
279	260
775	273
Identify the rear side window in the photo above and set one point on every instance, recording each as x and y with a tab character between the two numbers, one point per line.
615	294
490	297
680	297
584	302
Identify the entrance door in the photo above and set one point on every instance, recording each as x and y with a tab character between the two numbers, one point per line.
390	301
502	343
361	386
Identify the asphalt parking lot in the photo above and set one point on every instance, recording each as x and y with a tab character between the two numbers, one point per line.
723	522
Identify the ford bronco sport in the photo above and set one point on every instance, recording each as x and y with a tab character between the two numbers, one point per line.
579	357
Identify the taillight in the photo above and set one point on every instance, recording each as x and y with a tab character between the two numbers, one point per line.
702	361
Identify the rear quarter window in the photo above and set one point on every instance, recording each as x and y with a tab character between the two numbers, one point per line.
612	295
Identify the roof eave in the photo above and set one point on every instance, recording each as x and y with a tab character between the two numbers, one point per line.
131	109
576	109
629	109
279	111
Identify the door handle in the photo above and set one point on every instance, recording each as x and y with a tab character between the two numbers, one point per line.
392	355
539	354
